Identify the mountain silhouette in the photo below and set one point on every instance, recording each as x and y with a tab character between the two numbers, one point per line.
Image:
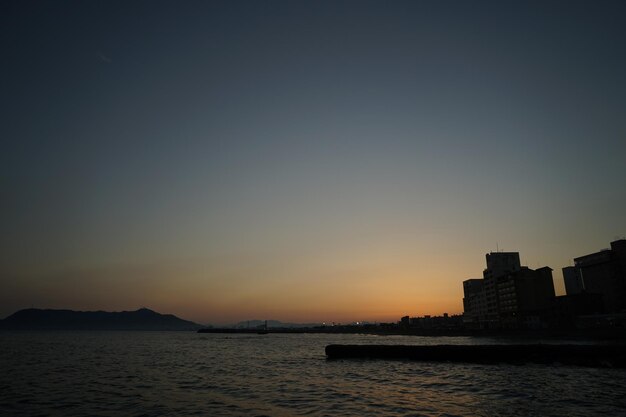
142	319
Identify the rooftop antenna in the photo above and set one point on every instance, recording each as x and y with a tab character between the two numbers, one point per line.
497	247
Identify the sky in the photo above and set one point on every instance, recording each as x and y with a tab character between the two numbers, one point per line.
304	161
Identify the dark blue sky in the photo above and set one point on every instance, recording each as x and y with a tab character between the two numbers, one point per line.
307	159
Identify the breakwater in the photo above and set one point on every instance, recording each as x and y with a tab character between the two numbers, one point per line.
580	355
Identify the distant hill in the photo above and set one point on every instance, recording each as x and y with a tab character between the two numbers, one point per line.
142	319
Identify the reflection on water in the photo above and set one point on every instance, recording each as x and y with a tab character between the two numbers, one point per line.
153	373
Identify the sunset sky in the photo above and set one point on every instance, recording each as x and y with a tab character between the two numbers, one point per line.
302	160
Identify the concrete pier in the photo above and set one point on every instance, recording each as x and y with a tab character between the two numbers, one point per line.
613	356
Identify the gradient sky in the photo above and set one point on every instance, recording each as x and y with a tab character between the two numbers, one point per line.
302	161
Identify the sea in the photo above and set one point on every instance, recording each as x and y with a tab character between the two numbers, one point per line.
190	374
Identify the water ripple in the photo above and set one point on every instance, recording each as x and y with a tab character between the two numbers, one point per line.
171	373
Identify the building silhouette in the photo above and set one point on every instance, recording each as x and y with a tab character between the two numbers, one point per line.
525	298
512	296
509	295
474	302
573	280
571	308
604	273
498	265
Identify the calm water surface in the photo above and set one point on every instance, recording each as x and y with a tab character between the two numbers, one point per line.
180	373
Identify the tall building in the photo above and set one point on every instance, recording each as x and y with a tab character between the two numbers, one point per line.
604	273
498	264
525	298
573	280
474	303
509	295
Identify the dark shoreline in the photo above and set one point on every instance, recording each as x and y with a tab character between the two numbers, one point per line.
611	334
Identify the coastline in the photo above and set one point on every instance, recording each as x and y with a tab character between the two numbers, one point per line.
610	334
